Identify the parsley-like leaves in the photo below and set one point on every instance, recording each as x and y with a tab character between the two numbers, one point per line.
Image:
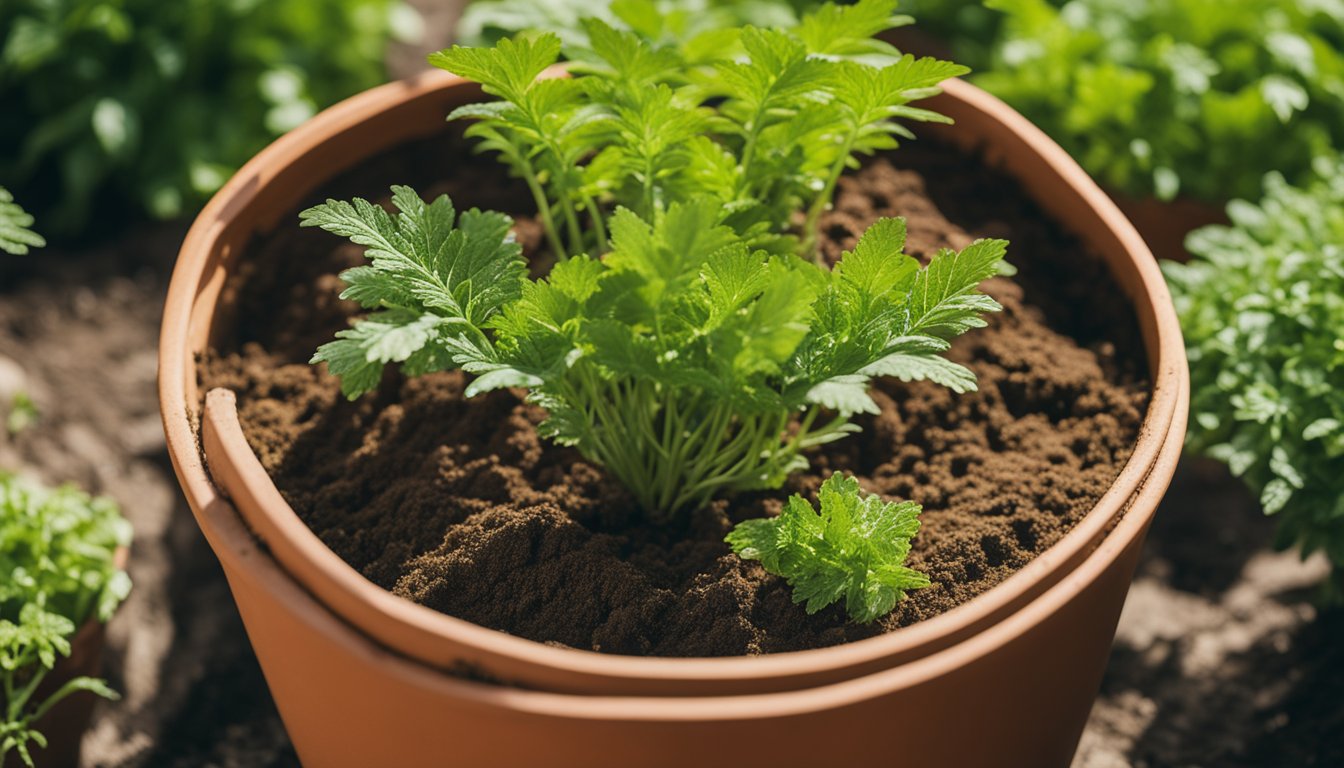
678	360
434	280
853	549
702	350
763	120
1262	306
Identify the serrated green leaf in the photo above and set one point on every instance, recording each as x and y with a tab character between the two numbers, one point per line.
436	276
944	301
908	367
878	265
853	548
849	30
846	394
508	69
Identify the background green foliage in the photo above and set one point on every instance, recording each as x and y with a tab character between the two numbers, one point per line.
1262	307
486	22
1198	98
57	570
146	105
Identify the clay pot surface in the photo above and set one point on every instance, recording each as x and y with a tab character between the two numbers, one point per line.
358	674
1165	225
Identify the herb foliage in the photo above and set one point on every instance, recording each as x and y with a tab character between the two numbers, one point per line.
689	338
1262	307
133	107
57	559
1174	97
680	359
852	549
763	120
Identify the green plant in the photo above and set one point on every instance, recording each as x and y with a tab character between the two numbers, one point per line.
680	359
1165	97
764	121
854	549
124	106
15	236
1262	308
708	346
57	557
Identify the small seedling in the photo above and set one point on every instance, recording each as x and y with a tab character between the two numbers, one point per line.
22	414
853	550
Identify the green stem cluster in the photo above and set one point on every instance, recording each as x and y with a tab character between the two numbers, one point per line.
675	449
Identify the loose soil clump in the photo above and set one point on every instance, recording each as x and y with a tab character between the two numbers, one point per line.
459	505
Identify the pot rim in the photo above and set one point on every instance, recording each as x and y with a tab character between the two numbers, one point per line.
245	559
445	638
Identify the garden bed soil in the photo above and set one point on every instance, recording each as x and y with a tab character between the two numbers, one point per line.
460	506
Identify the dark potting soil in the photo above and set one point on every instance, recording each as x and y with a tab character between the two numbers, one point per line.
459	505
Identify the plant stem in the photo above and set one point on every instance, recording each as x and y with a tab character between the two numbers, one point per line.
811	247
599	226
543	210
676	450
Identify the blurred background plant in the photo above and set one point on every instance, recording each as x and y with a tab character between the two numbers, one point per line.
1262	308
58	549
122	108
1162	98
484	22
16	234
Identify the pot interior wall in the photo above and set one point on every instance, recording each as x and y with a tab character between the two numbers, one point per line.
1077	214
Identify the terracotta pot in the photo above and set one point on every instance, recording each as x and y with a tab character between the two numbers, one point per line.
65	723
360	675
1165	225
